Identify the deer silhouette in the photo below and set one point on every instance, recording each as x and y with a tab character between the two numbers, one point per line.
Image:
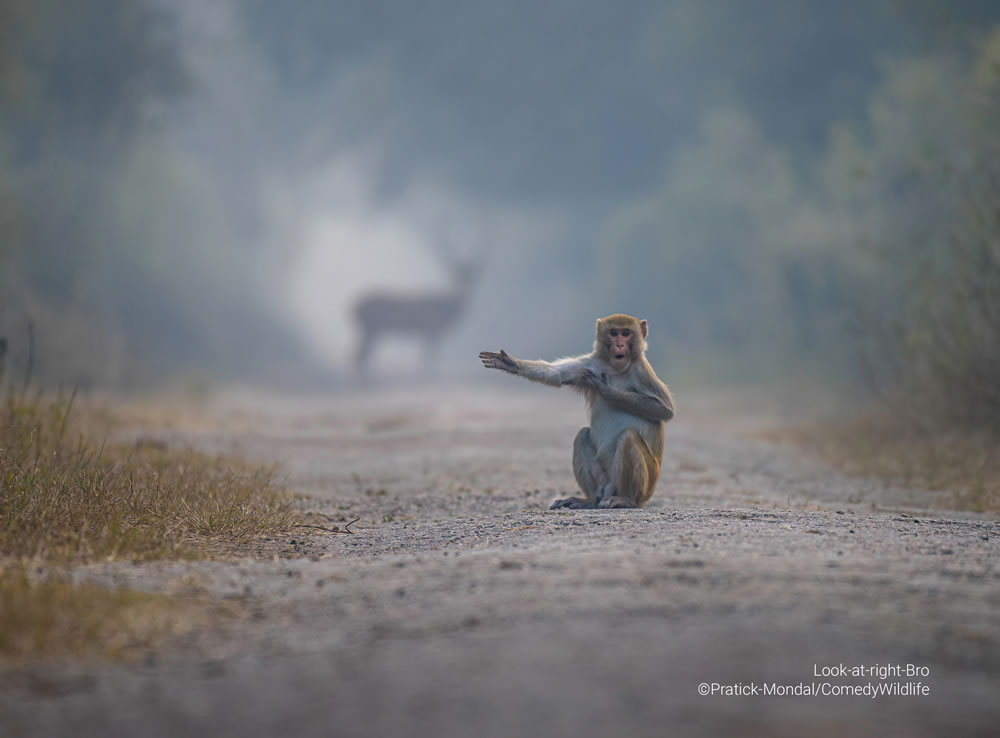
428	316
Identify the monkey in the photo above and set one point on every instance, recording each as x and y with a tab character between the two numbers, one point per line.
616	460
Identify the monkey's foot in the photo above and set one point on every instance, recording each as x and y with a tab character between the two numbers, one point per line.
605	491
573	503
615	501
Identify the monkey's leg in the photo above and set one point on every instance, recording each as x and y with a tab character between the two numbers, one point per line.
634	473
587	471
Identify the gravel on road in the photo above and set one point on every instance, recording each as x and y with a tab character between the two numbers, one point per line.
461	606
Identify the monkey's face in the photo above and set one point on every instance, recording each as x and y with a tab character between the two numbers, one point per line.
620	341
621	346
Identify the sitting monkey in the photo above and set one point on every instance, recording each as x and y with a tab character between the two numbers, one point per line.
617	459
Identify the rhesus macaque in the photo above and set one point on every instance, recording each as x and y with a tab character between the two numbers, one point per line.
617	459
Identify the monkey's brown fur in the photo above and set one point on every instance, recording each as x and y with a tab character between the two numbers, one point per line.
617	459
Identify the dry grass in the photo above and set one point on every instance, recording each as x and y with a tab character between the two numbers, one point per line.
963	463
53	619
66	497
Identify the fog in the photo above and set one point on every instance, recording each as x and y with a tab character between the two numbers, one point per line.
208	190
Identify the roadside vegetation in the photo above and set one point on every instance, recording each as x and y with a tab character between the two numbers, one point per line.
67	497
933	363
963	463
54	619
915	203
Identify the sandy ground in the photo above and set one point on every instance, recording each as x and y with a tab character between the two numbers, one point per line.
461	606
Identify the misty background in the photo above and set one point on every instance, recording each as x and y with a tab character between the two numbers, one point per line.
786	190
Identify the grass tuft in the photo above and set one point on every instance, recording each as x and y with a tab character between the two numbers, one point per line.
54	619
64	497
965	464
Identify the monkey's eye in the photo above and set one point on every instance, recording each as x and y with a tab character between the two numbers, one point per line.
613	332
626	333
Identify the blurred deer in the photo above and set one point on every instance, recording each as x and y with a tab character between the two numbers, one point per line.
427	316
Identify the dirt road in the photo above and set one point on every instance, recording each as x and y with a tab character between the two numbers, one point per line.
462	607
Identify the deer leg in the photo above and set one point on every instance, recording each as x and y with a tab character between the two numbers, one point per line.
365	351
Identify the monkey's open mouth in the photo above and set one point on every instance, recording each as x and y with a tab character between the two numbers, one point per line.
619	356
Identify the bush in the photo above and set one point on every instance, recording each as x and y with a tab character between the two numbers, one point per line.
937	357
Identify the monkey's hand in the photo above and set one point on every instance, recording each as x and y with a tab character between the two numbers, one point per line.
502	361
592	382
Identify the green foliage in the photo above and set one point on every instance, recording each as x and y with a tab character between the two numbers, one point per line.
116	239
745	258
82	73
568	101
78	81
929	222
771	186
885	247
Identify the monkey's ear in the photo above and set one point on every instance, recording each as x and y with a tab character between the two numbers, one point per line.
643	328
597	330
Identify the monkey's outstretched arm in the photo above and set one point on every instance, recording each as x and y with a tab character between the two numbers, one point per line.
647	407
555	373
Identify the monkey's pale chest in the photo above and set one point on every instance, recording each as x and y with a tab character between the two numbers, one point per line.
608	422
